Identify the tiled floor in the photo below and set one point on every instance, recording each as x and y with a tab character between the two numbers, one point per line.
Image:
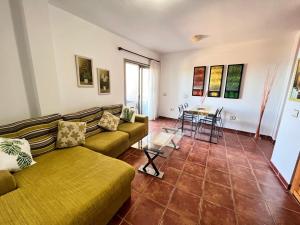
224	184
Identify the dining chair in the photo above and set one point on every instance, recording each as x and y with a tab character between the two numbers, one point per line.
219	121
184	116
180	114
210	121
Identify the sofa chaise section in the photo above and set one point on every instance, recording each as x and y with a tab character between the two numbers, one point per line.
68	186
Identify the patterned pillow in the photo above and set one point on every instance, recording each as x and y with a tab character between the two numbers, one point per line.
128	114
70	134
108	121
15	154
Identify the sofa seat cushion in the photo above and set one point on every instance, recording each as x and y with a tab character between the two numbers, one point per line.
108	143
69	186
133	129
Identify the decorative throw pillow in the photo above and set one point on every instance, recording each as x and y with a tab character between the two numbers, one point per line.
108	121
128	114
70	134
15	154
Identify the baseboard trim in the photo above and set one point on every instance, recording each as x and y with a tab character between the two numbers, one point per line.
264	137
285	184
164	117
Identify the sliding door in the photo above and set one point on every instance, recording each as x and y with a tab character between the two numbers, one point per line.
137	86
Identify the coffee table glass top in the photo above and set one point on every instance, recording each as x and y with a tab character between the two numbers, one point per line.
154	148
168	137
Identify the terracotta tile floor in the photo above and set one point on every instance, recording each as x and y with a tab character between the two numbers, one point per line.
224	184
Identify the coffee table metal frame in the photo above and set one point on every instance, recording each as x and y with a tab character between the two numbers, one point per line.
167	138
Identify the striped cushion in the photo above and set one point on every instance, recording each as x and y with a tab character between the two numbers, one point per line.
113	109
90	116
39	132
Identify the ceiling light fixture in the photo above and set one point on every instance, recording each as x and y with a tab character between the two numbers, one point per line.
198	37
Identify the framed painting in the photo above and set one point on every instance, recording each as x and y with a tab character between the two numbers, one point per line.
103	81
198	81
215	81
84	70
233	81
295	93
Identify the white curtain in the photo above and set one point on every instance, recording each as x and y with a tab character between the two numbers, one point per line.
153	89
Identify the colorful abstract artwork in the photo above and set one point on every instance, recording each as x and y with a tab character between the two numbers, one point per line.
215	81
233	81
198	80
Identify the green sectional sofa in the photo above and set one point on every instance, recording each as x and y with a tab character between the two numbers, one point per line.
82	185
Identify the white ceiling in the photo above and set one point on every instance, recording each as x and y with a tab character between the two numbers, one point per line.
168	25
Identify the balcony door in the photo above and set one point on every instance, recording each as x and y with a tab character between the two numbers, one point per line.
137	86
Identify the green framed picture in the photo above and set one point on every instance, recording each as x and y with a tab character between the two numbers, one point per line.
103	81
84	70
233	81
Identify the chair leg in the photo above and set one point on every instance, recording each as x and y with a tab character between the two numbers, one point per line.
178	121
216	130
196	130
222	127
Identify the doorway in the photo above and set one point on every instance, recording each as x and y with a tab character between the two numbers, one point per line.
137	86
295	188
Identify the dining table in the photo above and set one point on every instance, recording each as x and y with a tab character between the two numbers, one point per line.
198	111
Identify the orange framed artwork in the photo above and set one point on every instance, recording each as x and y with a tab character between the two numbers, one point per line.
198	81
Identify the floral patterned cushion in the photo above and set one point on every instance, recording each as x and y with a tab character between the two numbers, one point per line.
70	134
15	154
108	121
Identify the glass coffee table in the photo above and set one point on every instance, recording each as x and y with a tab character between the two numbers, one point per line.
156	143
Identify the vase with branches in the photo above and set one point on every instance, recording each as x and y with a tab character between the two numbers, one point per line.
266	94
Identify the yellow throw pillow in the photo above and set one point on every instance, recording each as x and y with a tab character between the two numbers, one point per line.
108	121
70	134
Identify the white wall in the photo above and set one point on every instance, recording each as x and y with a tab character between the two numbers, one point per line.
71	36
287	145
13	104
40	48
258	56
38	44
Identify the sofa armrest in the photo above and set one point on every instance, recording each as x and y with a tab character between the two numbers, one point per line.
7	182
141	118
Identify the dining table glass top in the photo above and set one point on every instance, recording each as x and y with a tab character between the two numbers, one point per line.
201	110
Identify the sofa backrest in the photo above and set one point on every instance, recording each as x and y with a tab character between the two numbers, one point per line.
40	132
114	109
90	116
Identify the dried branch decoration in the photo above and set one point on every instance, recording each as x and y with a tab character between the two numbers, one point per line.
203	98
266	94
